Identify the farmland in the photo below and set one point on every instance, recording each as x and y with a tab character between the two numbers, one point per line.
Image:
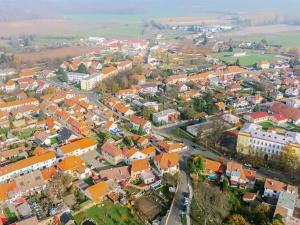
288	40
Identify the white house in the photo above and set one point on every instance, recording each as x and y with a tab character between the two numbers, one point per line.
165	116
149	88
273	188
77	148
139	122
292	91
133	154
27	165
76	77
167	163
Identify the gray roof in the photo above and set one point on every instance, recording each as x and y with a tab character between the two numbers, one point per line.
287	200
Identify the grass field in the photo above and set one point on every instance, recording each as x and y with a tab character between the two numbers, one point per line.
285	39
248	60
108	214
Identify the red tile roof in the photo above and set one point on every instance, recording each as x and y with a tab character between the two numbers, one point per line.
289	112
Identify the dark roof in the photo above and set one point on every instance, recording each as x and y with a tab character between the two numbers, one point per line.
64	134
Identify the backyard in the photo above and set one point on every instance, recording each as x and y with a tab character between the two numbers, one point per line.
108	213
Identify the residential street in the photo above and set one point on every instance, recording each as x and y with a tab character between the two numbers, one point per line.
176	210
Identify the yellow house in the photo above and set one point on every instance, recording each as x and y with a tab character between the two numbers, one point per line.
243	143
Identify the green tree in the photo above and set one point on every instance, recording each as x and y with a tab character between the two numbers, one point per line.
260	214
62	75
147	112
225	184
82	68
289	160
196	164
103	136
199	104
115	88
210	108
237	62
256	108
128	141
41	115
141	131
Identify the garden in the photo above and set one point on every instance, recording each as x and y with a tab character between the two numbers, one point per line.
108	213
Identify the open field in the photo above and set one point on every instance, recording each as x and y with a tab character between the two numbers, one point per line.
284	35
263	30
60	53
287	39
247	61
108	214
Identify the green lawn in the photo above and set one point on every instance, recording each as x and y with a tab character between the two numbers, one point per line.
108	214
181	133
11	216
24	134
266	125
248	60
54	141
290	127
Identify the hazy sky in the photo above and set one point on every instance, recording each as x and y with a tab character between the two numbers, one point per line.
40	8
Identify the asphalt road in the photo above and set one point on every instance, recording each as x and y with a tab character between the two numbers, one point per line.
184	181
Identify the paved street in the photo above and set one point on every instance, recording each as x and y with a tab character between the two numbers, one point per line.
176	210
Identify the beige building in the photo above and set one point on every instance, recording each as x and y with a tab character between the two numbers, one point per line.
90	82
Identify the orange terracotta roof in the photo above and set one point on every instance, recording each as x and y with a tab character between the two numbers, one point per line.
5	189
148	150
140	165
108	124
80	144
27	73
121	108
138	120
98	191
71	163
48	173
18	102
169	147
108	70
131	152
10	83
233	166
167	160
211	165
275	185
26	163
39	151
250	174
111	149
